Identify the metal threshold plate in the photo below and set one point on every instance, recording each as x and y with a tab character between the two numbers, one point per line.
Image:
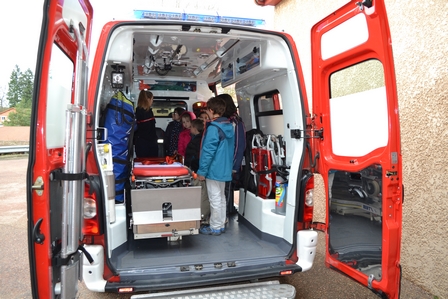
260	290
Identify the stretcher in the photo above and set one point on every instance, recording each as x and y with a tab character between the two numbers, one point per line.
163	201
155	174
266	152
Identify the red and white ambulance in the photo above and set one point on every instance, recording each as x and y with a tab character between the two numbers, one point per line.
124	225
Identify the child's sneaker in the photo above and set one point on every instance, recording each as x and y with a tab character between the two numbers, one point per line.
207	230
216	232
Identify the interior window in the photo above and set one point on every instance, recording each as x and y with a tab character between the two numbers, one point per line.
163	108
358	109
269	102
269	113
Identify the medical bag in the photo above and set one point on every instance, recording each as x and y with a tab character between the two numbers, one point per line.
118	118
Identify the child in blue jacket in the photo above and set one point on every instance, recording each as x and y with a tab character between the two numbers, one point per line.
216	163
240	146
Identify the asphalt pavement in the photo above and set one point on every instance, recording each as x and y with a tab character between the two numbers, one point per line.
317	283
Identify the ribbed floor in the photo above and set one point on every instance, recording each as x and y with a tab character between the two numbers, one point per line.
237	243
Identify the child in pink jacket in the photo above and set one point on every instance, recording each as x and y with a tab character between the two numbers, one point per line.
185	134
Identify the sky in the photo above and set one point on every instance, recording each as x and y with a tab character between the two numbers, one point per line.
21	23
20	28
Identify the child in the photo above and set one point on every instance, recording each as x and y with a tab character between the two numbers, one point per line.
240	145
145	137
185	134
204	116
192	160
194	146
216	162
172	131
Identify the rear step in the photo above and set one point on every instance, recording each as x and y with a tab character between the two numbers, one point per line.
259	290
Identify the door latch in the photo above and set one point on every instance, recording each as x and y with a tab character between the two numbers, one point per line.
308	133
100	134
38	186
391	173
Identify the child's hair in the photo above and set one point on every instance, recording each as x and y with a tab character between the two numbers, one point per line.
217	105
230	105
186	115
203	112
179	110
198	124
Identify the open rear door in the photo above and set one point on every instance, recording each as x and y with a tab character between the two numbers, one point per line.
355	110
56	166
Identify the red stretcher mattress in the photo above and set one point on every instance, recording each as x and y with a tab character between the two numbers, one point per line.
175	169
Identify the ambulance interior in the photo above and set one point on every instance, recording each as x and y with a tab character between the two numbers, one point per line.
180	65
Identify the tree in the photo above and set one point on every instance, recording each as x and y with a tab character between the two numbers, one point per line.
3	101
26	82
20	95
22	117
14	89
20	88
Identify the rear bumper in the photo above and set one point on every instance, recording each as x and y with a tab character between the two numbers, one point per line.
196	278
92	273
190	276
267	289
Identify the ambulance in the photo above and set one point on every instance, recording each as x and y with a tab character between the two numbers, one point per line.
120	224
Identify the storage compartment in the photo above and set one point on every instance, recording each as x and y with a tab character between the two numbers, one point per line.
236	68
166	212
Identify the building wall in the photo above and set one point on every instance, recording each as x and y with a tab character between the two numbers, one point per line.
420	45
4	115
14	136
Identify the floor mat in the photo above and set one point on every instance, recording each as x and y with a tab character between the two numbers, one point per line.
237	243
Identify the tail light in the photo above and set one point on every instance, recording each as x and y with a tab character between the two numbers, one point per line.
90	211
309	199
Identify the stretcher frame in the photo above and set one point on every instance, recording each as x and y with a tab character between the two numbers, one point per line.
164	205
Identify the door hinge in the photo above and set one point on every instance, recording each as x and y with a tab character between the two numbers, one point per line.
366	3
308	133
320	226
